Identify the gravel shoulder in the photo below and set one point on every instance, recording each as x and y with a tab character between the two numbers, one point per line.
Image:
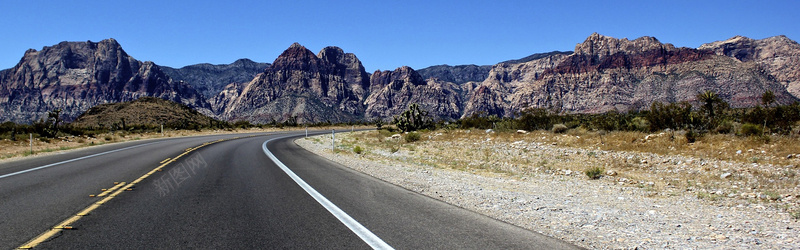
540	187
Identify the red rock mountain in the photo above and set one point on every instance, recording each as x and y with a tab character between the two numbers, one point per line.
602	74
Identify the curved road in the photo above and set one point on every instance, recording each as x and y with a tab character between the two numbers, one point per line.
224	191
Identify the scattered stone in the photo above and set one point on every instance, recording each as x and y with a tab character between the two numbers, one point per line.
725	175
489	131
522	131
611	173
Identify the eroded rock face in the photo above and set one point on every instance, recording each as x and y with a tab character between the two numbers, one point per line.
456	74
778	55
75	76
393	91
313	88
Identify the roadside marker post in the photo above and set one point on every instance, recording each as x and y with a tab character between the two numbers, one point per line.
333	140
306	131
31	142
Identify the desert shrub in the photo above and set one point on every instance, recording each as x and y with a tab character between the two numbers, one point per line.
108	138
749	129
692	136
358	150
639	124
535	119
724	127
594	173
412	137
560	128
672	116
478	120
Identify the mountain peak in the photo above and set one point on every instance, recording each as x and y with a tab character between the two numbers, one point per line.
597	44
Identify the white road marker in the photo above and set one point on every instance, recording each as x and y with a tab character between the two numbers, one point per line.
370	238
71	160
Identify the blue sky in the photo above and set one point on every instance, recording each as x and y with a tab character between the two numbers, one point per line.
383	34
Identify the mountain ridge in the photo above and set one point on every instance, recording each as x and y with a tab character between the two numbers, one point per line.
601	74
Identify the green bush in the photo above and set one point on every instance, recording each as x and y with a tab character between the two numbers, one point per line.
358	150
560	128
749	129
412	137
594	173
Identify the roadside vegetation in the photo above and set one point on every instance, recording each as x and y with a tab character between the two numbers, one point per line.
709	150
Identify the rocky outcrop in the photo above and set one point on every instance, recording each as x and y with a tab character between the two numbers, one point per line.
393	91
328	87
210	79
778	55
74	76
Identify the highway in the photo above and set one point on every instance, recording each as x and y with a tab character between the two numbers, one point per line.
228	191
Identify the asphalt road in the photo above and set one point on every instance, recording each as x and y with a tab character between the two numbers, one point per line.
230	194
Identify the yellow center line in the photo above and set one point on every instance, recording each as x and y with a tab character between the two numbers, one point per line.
110	190
67	224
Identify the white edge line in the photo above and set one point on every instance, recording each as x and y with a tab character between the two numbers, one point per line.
71	160
370	238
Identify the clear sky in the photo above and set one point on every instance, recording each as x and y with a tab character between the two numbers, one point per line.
383	34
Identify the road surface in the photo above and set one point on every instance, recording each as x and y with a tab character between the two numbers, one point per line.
225	191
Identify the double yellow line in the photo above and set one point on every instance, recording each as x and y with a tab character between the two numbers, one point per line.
67	224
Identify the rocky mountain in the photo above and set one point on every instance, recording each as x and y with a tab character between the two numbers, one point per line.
75	76
606	73
212	79
779	55
602	74
145	111
330	86
393	91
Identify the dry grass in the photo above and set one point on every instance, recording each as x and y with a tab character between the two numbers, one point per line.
662	164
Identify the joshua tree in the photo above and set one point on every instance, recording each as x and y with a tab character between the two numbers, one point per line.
768	98
415	118
709	100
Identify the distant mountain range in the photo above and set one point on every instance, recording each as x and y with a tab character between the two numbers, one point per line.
602	74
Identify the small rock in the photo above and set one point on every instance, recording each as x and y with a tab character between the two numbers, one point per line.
611	173
490	131
396	136
790	156
522	131
738	152
725	175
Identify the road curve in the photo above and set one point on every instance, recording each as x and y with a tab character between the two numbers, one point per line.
230	194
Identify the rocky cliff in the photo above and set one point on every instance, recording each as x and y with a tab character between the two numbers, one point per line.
74	76
210	79
313	88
